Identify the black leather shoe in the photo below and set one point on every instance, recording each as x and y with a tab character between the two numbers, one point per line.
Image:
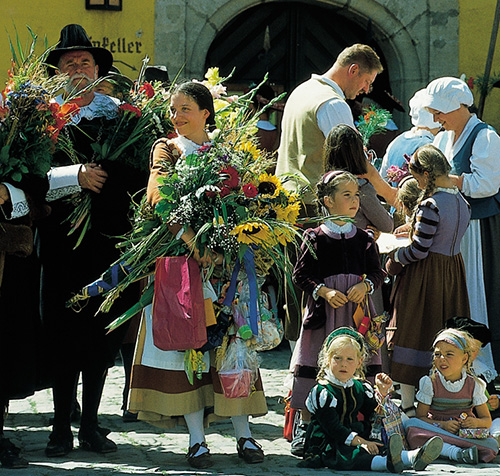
97	442
9	455
250	455
59	444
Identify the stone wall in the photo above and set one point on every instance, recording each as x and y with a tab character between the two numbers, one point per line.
419	38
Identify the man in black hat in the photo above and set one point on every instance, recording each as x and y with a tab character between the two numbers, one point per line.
78	341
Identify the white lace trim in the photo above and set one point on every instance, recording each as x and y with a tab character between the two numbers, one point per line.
20	209
187	146
452	190
57	193
455	386
101	106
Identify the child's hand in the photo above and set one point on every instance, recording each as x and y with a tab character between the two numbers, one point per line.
493	402
383	383
452	426
403	230
357	292
471	422
334	298
371	446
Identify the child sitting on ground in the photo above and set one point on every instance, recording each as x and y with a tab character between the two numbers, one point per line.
335	437
446	400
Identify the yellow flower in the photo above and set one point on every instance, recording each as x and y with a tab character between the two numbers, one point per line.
253	233
269	185
247	146
283	235
219	104
212	76
290	213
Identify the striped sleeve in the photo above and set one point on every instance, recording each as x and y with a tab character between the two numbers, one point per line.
425	228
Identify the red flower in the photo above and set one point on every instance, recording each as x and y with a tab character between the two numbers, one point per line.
224	191
250	190
204	148
470	82
147	89
172	135
133	109
233	179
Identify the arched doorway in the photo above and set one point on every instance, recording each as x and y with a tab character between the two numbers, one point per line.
289	40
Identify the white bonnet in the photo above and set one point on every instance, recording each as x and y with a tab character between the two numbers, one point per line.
447	94
421	117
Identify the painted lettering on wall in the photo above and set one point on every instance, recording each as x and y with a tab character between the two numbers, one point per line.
118	45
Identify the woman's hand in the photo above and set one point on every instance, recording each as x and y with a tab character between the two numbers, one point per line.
357	293
383	383
4	194
92	177
333	297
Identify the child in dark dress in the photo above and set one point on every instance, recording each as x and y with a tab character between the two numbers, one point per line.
336	438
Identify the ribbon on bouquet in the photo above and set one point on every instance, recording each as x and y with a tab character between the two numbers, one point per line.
109	280
249	262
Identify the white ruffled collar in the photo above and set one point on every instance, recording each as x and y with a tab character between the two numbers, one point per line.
187	146
101	106
335	381
345	228
452	190
453	386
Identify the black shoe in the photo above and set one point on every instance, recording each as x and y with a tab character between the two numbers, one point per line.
394	461
9	455
59	444
95	441
299	439
250	455
202	461
129	417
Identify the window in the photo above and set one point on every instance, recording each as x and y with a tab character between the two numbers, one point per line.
103	4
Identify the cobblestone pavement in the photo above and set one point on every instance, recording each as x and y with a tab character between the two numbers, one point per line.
144	449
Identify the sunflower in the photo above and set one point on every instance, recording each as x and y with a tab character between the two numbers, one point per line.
253	233
269	185
290	213
252	149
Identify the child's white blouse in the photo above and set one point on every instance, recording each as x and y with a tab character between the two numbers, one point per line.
425	393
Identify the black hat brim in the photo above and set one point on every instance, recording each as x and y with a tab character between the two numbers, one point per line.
102	57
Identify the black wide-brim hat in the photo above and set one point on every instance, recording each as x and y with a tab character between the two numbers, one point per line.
74	38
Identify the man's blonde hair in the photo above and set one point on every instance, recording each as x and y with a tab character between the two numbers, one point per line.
362	55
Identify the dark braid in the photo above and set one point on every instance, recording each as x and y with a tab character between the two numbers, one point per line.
430	159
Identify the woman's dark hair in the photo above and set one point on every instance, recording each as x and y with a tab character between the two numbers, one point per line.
343	150
201	95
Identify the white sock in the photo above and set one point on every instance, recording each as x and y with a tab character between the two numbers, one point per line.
194	422
408	458
407	395
379	463
450	451
242	430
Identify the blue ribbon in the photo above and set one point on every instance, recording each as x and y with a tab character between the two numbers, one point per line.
118	271
248	260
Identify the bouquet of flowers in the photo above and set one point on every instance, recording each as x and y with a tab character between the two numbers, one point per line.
395	174
225	194
29	121
372	121
142	118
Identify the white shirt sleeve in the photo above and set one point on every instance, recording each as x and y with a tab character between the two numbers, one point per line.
333	112
479	397
63	181
484	179
425	392
18	200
